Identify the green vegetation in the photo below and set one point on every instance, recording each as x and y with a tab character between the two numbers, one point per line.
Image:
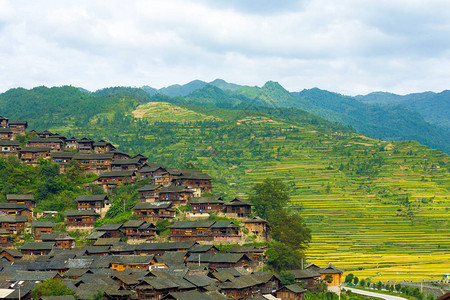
51	287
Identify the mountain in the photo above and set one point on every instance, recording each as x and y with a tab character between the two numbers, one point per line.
182	90
433	107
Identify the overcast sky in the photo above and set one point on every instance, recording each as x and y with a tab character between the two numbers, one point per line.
349	46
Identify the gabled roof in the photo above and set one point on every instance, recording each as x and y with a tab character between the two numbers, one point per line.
122	162
117	174
175	189
13	252
174	246
217	257
78	263
109	227
202	248
188	295
237	202
97	249
199	280
35	149
95	235
157	284
56	236
192	224
295	288
43	224
193	174
81	213
7	205
224	225
62	155
133	223
37	246
89	198
304	274
101	143
20	197
13	219
106	241
255	220
85	140
33	276
18	122
45	140
331	270
93	156
132	259
153	205
206	200
9	143
149	187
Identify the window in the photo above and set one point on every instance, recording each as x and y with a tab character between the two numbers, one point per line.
58	160
5	149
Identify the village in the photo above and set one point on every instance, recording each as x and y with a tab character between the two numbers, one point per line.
128	260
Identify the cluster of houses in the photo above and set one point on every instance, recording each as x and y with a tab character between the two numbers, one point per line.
177	270
124	260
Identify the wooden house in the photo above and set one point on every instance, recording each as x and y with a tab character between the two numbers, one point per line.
6	134
204	205
148	170
13	224
205	249
149	193
155	288
5	238
11	254
3	122
131	164
159	249
55	144
61	239
44	134
99	203
257	226
108	180
111	230
194	179
81	219
85	145
42	227
18	126
123	262
94	162
226	232
27	199
15	209
71	143
191	231
238	207
154	211
31	155
118	154
102	146
292	291
9	147
178	195
256	254
139	229
37	248
333	272
307	277
221	260
61	159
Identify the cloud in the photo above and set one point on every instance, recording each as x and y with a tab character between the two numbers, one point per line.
352	46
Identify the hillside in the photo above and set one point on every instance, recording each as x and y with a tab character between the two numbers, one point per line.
372	204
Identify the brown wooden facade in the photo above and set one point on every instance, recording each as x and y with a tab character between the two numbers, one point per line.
154	211
81	218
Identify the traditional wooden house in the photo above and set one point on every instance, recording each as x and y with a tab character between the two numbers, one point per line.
27	199
99	203
292	291
55	144
42	227
18	127
256	254
159	249
94	162
81	219
238	207
191	231
148	170
123	262
149	193
221	260
205	249
204	205
154	211
44	134
6	134
61	159
307	277
178	195
226	232
31	155
118	154
37	248
85	145
131	164
71	143
257	226
61	239
111	230
102	146
3	122
140	230
155	288
13	224
331	275
9	147
108	180
5	238
11	254
194	179
15	209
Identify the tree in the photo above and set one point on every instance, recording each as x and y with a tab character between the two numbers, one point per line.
349	278
362	282
51	287
282	257
287	278
271	195
355	280
328	278
290	229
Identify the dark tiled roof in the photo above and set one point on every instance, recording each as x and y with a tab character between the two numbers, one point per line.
13	219
18	122
35	149
4	205
192	224
88	198
244	249
120	162
37	246
9	143
43	224
117	174
93	156
149	187
20	197
224	224
255	220
45	140
62	155
132	259
32	276
238	201
153	205
201	248
151	167
109	227
5	130
304	274
216	258
13	252
56	236
295	288
97	249
175	246
133	223
206	200
331	270
95	235
81	213
193	174
174	189
106	241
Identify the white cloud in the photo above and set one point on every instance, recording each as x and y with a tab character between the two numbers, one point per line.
348	46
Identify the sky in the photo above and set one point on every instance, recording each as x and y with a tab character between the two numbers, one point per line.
350	46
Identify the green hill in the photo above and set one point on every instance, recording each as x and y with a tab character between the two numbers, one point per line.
377	205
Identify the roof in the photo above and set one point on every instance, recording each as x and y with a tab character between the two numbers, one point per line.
216	257
5	130
95	235
132	259
304	274
81	213
106	241
97	249
62	155
153	205
33	276
238	201
255	220
9	143
175	246
85	140
148	187
35	149
101	143
43	224
88	198
192	224
331	270
224	224
151	167
194	174
18	122
175	189
56	236
295	288
133	223
189	295
64	297
202	248
117	174
13	219
244	249
93	156
109	227
131	161
12	252
37	246
201	200
4	205
45	140
19	197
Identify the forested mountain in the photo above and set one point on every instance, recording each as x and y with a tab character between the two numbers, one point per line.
433	107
